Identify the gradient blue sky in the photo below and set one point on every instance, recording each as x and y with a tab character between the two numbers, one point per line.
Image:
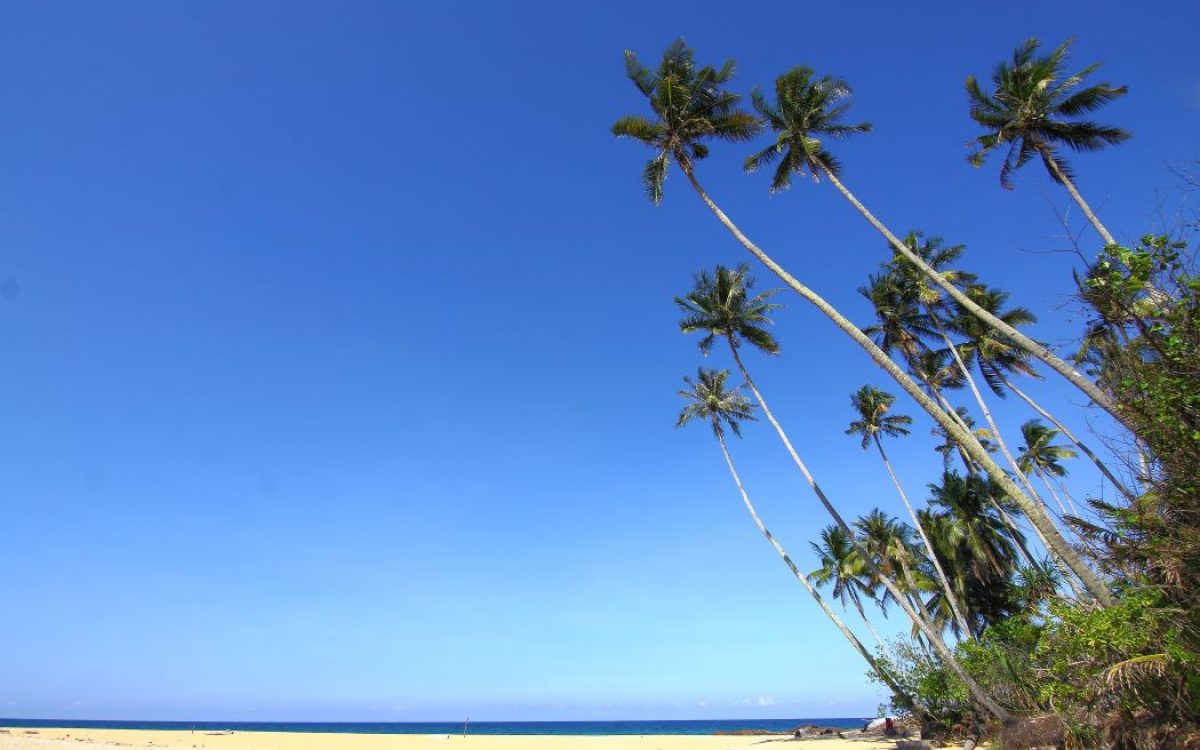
340	357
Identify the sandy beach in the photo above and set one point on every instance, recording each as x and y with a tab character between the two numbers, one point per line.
18	738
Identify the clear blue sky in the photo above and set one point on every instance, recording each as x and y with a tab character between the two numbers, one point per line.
340	358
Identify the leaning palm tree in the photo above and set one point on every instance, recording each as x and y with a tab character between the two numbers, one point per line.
846	573
720	305
809	111
1040	456
1033	110
709	399
691	107
902	287
873	424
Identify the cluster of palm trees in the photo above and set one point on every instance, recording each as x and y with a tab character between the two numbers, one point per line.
962	563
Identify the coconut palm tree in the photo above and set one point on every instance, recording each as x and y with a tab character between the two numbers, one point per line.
1069	435
978	545
846	572
709	399
682	98
1033	110
720	305
1042	457
874	423
808	111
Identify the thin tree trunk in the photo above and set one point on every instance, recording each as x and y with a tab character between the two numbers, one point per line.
934	637
1069	184
987	416
968	441
820	600
937	566
1074	440
1053	494
1039	351
870	628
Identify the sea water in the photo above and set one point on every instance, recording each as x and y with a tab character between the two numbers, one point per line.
447	727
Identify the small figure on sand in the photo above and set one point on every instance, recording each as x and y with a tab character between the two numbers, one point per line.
889	727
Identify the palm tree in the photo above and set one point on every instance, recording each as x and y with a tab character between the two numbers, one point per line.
809	110
873	422
721	305
1042	457
691	107
978	544
1082	446
1032	110
842	568
684	101
710	400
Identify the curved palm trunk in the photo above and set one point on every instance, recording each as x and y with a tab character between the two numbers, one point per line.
968	441
1074	440
820	600
951	599
930	633
1039	351
1069	184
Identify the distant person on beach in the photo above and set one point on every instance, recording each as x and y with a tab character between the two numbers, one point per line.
889	727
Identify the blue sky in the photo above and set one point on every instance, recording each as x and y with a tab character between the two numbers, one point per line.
341	359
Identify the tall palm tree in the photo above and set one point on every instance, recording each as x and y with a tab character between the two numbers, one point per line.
682	99
842	568
873	423
809	110
709	399
1043	458
721	304
1033	110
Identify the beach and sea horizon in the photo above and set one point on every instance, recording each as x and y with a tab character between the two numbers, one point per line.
558	728
727	734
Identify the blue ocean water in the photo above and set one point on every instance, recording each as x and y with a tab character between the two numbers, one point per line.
475	727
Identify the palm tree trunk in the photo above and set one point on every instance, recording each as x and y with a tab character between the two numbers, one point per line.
1069	184
870	628
820	600
1039	351
1074	440
937	566
987	415
968	441
934	637
1063	569
1053	494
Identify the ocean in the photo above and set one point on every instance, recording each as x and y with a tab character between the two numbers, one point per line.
445	727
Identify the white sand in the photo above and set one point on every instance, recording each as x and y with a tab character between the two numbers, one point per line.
17	738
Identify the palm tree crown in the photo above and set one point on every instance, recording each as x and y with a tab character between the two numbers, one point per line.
872	405
1032	109
806	110
720	305
709	400
690	106
1039	453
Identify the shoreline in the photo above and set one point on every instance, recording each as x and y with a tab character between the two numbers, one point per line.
72	738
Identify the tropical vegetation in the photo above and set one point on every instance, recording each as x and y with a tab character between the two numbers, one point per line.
1025	597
